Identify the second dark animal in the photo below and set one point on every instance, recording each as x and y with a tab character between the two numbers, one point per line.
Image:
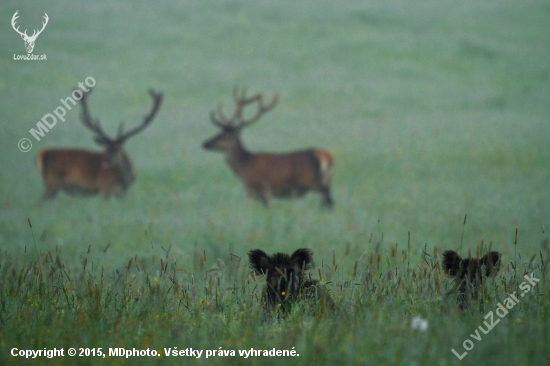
286	277
469	272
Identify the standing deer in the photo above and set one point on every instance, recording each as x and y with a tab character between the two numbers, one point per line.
82	172
286	279
286	175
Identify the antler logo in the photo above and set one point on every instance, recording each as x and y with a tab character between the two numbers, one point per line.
29	41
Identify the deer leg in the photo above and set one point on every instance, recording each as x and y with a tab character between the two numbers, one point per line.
48	195
265	195
119	193
293	194
327	200
257	195
116	191
51	187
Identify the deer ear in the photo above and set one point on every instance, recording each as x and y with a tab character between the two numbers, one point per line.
491	261
303	258
260	262
451	262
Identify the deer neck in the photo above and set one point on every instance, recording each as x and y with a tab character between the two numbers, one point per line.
124	171
236	156
127	175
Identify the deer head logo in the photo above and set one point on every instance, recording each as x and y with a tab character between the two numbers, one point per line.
29	41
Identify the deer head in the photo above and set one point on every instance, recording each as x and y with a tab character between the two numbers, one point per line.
29	40
231	127
114	155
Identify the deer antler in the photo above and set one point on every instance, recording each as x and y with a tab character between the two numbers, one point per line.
88	121
24	34
44	23
262	109
222	121
13	20
101	136
157	100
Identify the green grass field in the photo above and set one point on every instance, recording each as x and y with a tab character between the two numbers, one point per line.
434	110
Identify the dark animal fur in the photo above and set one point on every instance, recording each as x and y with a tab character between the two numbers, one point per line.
286	278
470	272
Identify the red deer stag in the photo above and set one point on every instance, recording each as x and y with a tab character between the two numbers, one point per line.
286	279
77	171
286	175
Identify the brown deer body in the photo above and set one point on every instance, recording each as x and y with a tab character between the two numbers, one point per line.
470	272
266	175
286	279
83	172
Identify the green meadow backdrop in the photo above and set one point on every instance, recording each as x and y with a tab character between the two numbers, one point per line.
438	116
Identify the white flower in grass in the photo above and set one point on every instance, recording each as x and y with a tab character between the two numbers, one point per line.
419	324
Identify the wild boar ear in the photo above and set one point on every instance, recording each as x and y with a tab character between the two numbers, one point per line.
260	262
451	262
303	258
491	261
